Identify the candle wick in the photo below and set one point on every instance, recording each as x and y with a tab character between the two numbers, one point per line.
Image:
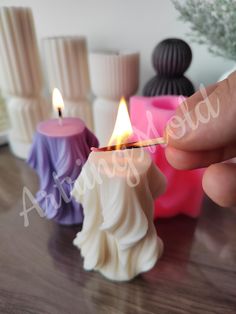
60	115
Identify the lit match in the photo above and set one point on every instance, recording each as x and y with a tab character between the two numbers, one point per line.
139	144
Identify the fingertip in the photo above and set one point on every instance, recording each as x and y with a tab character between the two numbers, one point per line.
219	183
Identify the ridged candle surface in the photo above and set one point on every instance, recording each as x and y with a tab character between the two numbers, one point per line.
114	75
25	114
21	76
4	122
170	58
20	61
67	66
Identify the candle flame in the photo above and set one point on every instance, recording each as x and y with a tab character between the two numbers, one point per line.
57	99
123	128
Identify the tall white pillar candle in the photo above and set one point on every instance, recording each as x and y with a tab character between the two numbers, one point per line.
21	78
21	65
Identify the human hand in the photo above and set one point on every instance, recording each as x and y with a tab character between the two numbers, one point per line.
203	134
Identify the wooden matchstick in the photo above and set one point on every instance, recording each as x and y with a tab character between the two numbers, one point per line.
145	143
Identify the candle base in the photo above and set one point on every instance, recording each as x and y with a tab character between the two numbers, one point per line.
24	114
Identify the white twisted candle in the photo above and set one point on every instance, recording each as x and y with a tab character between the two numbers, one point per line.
117	190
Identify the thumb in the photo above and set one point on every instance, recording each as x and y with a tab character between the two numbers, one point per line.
207	124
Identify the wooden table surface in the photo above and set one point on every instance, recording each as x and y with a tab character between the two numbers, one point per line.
41	271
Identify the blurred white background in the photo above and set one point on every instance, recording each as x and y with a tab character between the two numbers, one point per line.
125	25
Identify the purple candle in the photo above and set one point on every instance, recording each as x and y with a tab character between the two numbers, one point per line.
58	154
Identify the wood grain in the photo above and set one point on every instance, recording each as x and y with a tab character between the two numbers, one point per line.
41	272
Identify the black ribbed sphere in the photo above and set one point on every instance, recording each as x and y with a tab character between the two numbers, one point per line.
159	85
171	57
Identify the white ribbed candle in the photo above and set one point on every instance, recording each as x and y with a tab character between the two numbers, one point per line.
114	75
104	116
4	122
81	108
67	67
21	77
25	114
21	66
